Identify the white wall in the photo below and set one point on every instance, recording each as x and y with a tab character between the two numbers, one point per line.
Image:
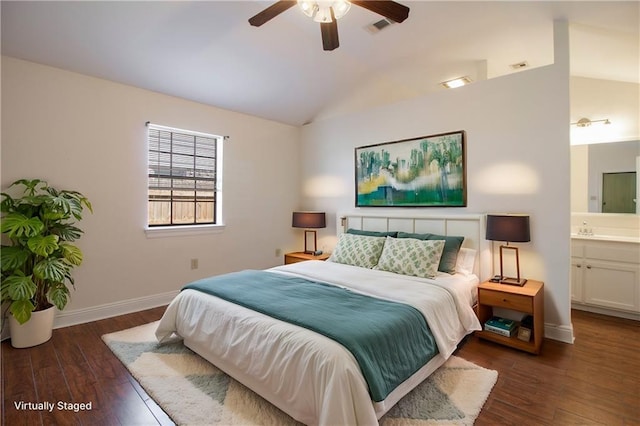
517	161
579	178
88	134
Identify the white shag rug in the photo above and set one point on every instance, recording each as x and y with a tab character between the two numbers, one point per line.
192	391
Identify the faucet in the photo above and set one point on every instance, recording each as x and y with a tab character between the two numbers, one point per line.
584	230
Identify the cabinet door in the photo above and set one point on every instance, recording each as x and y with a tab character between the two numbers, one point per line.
577	274
611	284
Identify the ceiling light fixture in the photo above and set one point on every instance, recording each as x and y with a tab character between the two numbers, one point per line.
585	122
519	65
327	13
379	25
320	11
456	82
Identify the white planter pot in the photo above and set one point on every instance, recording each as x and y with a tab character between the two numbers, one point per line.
33	332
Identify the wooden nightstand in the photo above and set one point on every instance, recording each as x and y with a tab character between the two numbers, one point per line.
528	299
301	257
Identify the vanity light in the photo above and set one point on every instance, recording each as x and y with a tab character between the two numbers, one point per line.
585	122
456	82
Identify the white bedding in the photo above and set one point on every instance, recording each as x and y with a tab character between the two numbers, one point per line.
309	376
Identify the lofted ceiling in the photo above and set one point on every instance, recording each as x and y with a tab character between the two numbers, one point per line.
207	52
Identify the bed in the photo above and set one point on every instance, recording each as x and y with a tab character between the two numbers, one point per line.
300	370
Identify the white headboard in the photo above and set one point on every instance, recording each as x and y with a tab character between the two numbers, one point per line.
471	227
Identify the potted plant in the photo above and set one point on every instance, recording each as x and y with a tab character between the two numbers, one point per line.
38	225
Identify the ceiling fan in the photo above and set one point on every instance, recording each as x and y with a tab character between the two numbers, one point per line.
327	12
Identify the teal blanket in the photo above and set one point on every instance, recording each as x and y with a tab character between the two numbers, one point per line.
390	340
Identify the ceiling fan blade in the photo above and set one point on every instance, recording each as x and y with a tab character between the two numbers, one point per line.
329	32
271	12
389	9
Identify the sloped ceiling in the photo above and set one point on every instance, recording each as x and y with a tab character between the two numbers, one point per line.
207	51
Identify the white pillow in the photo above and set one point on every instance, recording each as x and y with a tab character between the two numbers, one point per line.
409	256
357	250
466	261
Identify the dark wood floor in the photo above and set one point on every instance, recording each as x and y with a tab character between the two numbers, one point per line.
594	381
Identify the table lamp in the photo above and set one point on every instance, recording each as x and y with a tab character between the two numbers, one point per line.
309	220
509	228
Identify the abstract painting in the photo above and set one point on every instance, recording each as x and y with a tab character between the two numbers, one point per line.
428	171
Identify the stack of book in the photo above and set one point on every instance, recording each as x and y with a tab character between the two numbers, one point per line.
502	326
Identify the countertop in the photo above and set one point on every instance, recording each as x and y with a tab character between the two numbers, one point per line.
612	238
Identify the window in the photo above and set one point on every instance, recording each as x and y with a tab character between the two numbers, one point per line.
184	177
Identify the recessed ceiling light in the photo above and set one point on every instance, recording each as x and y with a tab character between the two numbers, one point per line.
379	25
456	82
519	65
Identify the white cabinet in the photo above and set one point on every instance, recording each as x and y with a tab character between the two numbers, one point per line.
605	277
576	279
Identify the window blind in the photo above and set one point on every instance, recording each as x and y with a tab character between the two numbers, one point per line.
182	177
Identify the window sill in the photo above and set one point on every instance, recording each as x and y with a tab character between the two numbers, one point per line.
182	231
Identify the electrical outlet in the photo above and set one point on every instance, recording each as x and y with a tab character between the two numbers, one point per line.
278	252
194	263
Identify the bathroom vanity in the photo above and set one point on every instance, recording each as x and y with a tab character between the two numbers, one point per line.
605	274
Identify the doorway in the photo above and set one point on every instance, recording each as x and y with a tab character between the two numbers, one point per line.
619	192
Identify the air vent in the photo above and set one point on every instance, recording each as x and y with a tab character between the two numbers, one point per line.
519	65
378	26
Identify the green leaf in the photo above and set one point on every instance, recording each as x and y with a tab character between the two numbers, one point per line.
21	310
26	209
43	245
66	232
59	296
7	203
30	185
19	287
59	204
87	204
17	225
71	253
33	200
76	207
53	216
13	257
51	269
76	201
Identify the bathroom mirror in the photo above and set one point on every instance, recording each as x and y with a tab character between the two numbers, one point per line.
605	177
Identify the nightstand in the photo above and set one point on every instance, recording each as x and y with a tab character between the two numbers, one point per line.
527	299
301	257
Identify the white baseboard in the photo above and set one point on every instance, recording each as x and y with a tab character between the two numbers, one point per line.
67	318
561	333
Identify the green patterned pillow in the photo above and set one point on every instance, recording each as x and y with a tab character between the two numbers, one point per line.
449	253
409	256
358	250
372	233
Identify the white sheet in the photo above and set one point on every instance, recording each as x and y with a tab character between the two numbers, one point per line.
305	374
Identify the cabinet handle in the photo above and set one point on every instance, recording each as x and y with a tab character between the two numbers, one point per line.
578	266
588	266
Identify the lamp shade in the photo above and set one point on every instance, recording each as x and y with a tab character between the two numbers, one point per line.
508	228
308	220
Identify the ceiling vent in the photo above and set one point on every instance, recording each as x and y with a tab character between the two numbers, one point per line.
378	26
519	65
